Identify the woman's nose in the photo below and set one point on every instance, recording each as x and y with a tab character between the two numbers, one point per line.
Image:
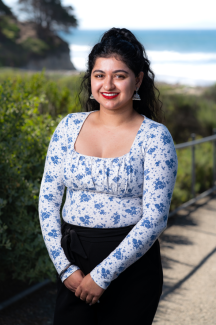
108	83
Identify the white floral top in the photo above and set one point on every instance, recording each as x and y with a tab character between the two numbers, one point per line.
134	189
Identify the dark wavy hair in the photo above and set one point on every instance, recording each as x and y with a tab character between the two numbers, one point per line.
120	42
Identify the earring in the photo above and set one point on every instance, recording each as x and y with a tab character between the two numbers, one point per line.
91	97
136	96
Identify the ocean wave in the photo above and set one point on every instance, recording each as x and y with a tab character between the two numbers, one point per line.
196	74
170	56
157	56
80	48
187	68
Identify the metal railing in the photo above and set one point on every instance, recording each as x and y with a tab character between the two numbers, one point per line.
192	144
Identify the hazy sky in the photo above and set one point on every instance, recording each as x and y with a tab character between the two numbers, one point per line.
143	14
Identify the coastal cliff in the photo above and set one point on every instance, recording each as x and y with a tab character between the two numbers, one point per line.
24	45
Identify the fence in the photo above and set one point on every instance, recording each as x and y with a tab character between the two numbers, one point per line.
192	144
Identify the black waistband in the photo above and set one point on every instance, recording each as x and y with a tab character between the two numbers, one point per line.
95	232
72	237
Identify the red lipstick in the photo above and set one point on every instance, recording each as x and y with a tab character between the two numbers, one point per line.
109	95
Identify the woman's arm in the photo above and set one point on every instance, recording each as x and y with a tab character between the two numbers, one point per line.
51	193
160	170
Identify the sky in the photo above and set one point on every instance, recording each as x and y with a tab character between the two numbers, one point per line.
142	14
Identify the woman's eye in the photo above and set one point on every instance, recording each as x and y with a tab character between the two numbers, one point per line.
99	76
120	76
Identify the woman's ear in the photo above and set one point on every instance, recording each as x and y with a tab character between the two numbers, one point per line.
139	79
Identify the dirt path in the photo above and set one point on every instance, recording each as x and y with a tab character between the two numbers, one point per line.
188	250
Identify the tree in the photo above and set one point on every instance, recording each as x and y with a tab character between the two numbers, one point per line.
4	10
49	14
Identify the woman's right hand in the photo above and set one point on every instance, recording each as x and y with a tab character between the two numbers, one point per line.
74	280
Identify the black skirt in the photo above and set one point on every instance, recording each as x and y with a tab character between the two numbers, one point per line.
132	298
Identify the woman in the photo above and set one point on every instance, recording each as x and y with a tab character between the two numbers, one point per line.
119	167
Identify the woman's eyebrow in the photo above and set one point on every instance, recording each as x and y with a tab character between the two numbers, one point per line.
120	71
101	71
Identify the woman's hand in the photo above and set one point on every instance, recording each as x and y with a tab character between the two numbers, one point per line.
74	280
89	291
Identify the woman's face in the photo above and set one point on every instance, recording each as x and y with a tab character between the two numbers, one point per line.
113	83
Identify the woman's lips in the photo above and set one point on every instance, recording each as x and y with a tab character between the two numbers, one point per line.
109	95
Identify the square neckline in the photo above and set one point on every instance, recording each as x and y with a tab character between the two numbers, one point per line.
106	158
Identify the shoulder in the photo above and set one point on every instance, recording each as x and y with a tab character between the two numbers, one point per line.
159	145
157	139
69	126
71	121
74	119
157	131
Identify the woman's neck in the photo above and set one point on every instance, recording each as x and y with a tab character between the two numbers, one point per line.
114	118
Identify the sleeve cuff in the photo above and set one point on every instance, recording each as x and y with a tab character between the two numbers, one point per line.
68	272
101	282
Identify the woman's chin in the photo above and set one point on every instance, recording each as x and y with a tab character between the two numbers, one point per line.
111	105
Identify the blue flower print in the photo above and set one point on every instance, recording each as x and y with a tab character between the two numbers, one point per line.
105	273
55	160
166	138
85	220
118	254
55	137
116	218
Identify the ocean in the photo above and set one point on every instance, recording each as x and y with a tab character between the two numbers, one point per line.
177	56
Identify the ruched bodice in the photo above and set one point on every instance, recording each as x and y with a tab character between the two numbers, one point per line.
120	176
134	189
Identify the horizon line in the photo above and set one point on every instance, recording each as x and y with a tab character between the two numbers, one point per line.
152	29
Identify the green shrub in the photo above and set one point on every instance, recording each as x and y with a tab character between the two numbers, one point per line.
35	45
186	114
203	172
24	138
58	97
9	27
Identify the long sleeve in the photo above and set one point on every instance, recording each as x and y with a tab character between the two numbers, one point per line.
160	170
51	193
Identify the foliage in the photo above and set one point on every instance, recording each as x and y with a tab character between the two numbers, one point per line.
186	114
9	28
35	39
49	14
203	172
4	10
35	45
210	93
24	137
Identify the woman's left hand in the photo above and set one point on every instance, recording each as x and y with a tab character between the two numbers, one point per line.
88	290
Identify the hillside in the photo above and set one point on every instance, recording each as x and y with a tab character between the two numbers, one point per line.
24	45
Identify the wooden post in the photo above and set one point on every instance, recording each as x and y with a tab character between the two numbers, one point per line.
193	176
214	159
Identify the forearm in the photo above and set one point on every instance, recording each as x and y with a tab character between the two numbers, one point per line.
133	247
50	199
